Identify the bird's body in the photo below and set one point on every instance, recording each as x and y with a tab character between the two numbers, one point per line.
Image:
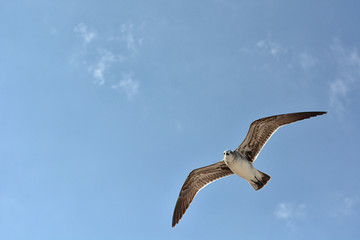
239	162
242	167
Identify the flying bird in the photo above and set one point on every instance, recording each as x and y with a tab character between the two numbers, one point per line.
239	162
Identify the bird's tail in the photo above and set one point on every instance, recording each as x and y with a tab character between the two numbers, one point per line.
260	180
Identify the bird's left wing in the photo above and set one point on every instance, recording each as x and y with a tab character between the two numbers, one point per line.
262	129
197	180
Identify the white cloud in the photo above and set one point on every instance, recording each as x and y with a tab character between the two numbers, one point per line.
347	58
307	61
107	58
128	84
128	37
287	56
348	205
272	48
54	31
86	34
178	126
348	75
338	92
289	212
101	56
344	206
260	43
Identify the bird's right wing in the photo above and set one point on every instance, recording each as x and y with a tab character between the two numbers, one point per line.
197	180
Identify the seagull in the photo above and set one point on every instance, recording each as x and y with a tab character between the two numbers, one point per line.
239	162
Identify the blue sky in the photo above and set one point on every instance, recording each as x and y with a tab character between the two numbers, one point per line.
108	105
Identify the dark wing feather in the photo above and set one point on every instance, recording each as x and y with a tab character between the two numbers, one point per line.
262	129
196	180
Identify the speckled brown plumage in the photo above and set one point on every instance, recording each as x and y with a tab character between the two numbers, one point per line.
262	129
196	180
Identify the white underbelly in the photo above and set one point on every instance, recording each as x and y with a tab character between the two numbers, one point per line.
242	168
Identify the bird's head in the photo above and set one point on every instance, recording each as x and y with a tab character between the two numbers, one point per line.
228	154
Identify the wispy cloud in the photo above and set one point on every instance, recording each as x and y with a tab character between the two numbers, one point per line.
338	93
101	56
344	206
290	212
348	75
128	37
127	84
287	57
307	61
107	58
86	34
179	126
349	204
270	47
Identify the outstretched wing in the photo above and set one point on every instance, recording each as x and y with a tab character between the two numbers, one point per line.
197	180
262	129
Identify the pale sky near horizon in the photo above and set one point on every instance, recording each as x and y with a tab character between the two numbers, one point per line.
106	107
